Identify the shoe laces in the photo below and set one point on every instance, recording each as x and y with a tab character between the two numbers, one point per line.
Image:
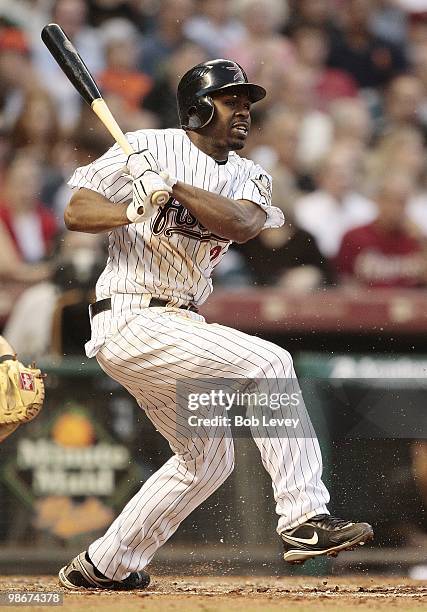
327	521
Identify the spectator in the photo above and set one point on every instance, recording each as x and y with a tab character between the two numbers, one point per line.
13	268
389	22
287	257
279	155
402	148
37	127
162	98
5	148
214	28
402	104
317	13
352	123
312	48
335	207
387	252
296	92
370	60
78	263
120	76
419	65
167	37
85	145
17	75
417	30
30	224
71	15
37	131
101	11
417	211
263	52
25	15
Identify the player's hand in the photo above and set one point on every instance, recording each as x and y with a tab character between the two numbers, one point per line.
169	179
141	208
140	162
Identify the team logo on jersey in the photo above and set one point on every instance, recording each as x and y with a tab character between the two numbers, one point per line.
263	184
173	218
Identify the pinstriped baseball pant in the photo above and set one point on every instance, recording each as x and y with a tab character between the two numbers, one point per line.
147	354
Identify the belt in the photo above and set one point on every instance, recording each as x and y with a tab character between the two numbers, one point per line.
7	358
103	305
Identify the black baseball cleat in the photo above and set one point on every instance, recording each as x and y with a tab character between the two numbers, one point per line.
323	535
80	573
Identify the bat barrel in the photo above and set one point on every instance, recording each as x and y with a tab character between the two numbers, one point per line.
62	49
77	72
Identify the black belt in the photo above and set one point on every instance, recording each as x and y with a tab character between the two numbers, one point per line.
6	358
103	305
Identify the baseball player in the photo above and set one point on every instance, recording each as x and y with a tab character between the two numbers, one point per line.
147	333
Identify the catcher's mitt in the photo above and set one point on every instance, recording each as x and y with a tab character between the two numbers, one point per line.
21	394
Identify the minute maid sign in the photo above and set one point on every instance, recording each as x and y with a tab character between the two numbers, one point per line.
71	455
58	470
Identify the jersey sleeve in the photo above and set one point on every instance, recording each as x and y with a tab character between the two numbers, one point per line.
106	174
257	187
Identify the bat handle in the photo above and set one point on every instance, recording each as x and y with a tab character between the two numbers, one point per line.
101	109
160	197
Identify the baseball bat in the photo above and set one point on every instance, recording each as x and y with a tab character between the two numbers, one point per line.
70	62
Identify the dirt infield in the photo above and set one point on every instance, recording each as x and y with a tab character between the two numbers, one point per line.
238	594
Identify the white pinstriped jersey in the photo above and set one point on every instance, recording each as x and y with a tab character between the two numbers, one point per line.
171	255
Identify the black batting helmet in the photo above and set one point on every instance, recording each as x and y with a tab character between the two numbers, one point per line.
195	106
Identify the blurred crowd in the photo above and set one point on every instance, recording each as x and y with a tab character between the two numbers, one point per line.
343	130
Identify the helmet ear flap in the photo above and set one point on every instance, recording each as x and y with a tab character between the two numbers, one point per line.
206	111
200	114
193	119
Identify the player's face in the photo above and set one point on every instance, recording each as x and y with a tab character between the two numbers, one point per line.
232	119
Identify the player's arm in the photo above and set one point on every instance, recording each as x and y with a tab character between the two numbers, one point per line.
236	220
91	212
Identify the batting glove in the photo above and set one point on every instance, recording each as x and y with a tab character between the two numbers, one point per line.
142	208
140	162
169	179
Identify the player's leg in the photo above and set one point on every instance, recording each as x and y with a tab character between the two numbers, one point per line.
184	346
147	357
293	461
197	469
291	454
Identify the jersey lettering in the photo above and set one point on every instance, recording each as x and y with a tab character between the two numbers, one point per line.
214	252
174	218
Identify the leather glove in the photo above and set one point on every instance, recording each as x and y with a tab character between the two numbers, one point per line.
21	394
